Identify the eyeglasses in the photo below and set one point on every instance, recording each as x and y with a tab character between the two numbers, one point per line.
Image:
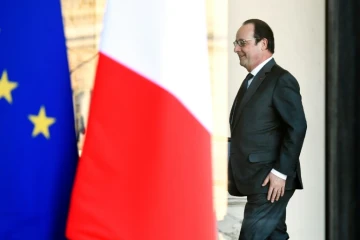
242	42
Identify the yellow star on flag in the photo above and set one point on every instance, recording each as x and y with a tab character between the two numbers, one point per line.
6	87
41	123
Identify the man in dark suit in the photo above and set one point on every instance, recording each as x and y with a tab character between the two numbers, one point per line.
268	128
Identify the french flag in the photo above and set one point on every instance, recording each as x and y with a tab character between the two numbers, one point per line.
145	169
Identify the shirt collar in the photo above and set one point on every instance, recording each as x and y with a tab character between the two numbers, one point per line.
260	66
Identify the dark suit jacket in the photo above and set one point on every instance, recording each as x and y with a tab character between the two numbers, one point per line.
267	131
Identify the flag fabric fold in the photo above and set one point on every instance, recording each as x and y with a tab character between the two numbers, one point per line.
145	169
38	151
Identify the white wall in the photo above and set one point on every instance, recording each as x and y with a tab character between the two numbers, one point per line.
217	22
299	30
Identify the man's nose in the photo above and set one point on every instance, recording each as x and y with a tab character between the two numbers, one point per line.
237	48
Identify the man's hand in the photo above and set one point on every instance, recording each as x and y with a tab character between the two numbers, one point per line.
276	188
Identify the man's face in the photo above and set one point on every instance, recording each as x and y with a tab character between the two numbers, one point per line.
249	52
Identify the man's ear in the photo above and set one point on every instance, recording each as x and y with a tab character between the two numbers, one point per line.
264	44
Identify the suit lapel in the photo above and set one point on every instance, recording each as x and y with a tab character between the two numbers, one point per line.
237	101
256	82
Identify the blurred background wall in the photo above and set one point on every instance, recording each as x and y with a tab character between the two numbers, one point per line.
83	24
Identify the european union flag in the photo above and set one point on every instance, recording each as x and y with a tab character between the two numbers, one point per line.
38	152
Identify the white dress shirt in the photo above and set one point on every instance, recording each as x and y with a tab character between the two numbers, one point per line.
254	72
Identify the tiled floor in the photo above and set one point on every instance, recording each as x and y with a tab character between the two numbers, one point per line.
229	228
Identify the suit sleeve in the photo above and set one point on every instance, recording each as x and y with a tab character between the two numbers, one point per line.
287	101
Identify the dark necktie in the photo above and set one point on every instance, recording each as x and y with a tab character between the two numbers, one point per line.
240	95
